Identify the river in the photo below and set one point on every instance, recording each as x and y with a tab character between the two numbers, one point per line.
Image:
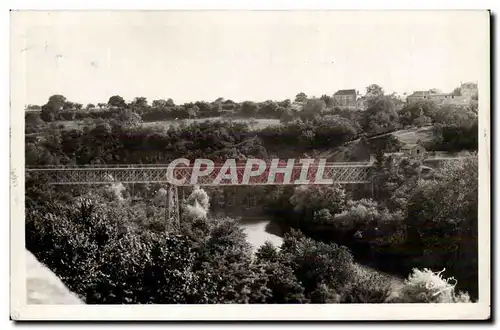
259	230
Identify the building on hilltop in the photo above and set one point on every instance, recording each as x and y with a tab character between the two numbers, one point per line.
448	98
442	98
413	150
345	98
417	96
408	151
469	90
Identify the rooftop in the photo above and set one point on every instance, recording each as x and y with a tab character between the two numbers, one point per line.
408	146
345	92
420	93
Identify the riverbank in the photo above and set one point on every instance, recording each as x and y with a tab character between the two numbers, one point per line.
259	230
262	229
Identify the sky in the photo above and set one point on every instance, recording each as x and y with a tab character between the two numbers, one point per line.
203	55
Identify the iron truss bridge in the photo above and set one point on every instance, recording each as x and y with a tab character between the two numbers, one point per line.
341	173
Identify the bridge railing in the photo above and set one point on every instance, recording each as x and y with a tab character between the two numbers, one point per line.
133	166
347	173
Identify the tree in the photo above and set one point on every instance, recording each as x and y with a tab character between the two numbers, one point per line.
116	101
331	130
78	106
457	92
197	204
204	108
449	114
329	101
443	222
422	121
380	116
307	200
140	102
249	109
170	103
269	109
301	97
315	263
384	143
314	107
55	104
90	106
285	103
159	104
32	122
374	91
363	214
225	262
193	111
68	105
286	116
127	119
33	107
414	113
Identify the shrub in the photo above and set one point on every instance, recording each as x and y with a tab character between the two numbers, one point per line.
315	262
367	287
430	287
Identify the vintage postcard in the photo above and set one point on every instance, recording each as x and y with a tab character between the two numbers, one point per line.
250	165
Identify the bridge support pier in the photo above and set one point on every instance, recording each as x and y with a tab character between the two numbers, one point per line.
172	213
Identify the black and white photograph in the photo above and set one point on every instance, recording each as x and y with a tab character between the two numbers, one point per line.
250	165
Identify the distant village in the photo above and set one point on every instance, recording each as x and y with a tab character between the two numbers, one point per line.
463	95
352	99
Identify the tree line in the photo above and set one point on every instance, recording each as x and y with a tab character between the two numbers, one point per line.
409	222
110	249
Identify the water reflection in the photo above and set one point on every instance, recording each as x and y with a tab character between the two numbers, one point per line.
259	230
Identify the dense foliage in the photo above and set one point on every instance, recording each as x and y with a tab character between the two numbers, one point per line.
113	245
103	249
455	127
412	222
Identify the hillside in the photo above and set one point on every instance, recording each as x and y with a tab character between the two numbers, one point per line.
356	151
413	135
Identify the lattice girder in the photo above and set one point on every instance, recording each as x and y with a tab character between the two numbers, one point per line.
343	174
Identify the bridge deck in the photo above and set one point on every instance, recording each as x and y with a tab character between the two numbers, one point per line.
343	173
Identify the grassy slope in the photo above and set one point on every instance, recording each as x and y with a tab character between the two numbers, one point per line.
259	123
354	151
413	135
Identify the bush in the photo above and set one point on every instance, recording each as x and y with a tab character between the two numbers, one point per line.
430	287
306	200
367	287
455	137
315	262
442	222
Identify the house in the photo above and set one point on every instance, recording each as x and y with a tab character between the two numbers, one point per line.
345	98
417	96
448	98
413	150
441	98
361	103
469	90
